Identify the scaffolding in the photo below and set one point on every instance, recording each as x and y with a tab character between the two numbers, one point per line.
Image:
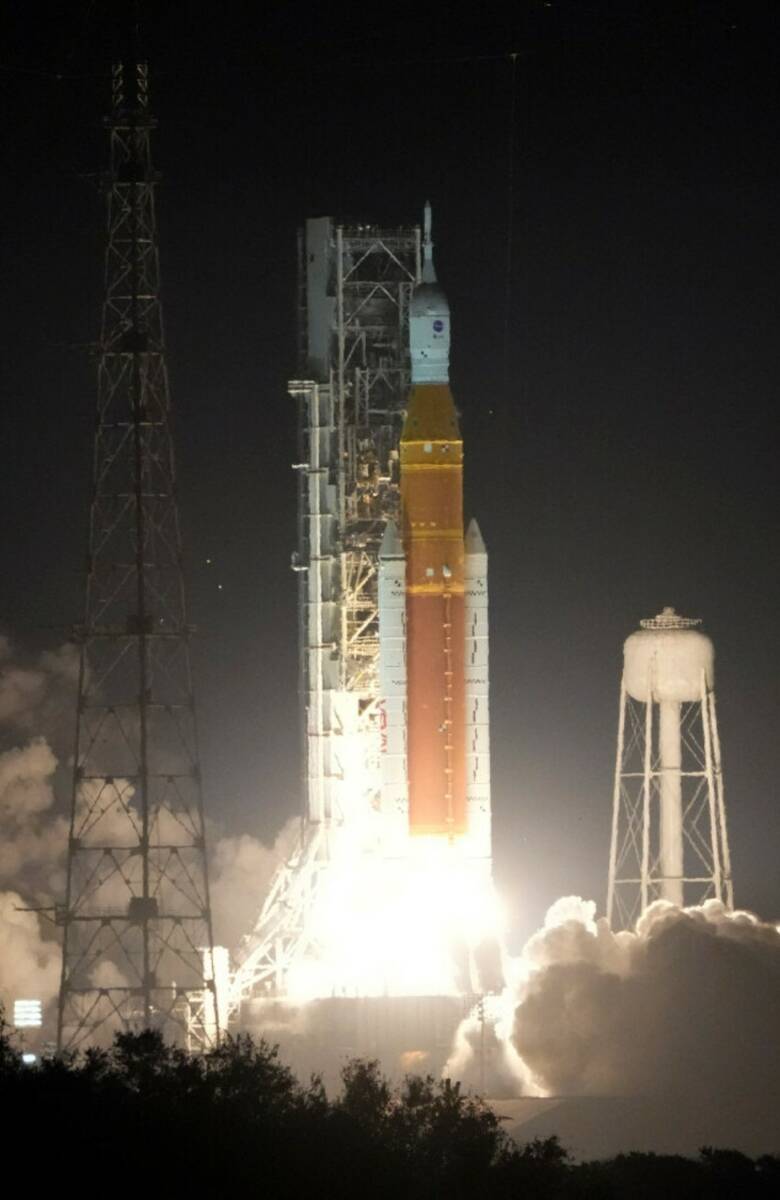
355	285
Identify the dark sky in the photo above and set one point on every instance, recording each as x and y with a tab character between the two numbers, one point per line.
617	398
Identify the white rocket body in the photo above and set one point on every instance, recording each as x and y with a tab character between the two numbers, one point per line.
392	684
475	845
477	678
429	334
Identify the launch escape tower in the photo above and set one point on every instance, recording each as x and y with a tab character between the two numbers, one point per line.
138	947
669	836
355	286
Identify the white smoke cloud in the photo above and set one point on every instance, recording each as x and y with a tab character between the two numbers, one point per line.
679	1015
107	974
686	1004
483	1056
35	696
241	871
25	787
32	837
37	703
38	696
33	842
29	964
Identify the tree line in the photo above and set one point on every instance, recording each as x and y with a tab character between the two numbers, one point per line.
147	1118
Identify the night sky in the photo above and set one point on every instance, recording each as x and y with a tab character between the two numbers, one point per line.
605	210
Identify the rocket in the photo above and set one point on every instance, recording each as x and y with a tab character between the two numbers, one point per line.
433	611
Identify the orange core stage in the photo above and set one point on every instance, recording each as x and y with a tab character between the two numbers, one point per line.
432	521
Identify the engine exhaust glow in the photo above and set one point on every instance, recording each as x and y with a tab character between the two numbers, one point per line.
399	927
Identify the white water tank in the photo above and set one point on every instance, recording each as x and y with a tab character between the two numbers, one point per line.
664	660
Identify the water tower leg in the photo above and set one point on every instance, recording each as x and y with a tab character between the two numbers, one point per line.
669	744
725	852
616	806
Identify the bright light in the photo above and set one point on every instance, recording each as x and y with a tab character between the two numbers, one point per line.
216	966
398	927
29	1060
28	1014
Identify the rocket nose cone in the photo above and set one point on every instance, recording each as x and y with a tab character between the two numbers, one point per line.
391	545
475	543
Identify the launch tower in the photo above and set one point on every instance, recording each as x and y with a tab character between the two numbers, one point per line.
669	837
389	888
137	949
355	287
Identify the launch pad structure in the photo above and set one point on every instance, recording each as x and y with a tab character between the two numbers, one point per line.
371	925
355	287
378	934
393	682
373	399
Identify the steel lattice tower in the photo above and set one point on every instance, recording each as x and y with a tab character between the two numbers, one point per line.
355	287
138	946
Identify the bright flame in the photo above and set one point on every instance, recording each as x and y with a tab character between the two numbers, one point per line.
399	927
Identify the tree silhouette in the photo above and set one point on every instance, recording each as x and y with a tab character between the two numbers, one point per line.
144	1117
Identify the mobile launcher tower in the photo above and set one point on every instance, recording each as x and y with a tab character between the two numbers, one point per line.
383	920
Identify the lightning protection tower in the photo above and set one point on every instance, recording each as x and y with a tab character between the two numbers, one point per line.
669	837
137	948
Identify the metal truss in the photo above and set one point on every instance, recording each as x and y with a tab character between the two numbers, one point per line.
281	937
351	403
375	274
636	873
137	940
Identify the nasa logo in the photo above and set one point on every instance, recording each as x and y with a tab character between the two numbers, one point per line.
438	326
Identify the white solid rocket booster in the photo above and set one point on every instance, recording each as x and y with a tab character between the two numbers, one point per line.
477	687
392	685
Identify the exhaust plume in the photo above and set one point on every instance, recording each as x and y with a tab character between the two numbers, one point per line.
686	1004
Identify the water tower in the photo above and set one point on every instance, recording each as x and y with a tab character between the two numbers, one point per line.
669	838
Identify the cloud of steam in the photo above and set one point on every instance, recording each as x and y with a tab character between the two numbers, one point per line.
29	965
39	696
686	1005
241	871
33	843
672	1025
35	697
483	1056
32	837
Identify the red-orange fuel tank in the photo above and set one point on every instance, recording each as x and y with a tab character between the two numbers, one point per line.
432	523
